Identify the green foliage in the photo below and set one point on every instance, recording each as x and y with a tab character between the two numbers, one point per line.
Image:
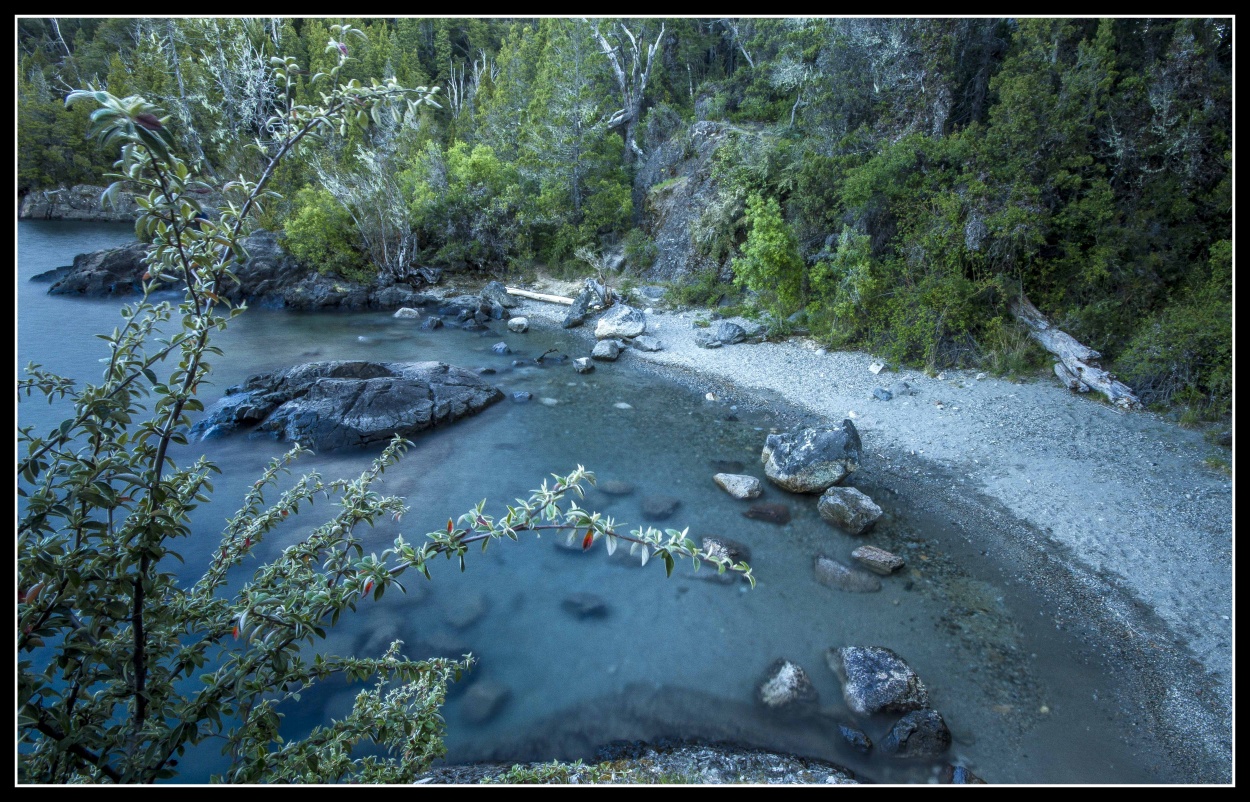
639	249
319	232
770	264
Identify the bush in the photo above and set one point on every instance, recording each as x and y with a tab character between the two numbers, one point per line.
320	233
770	264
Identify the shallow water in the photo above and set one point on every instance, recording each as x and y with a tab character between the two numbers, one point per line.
1027	698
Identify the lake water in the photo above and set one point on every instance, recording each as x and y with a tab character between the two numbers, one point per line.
1027	701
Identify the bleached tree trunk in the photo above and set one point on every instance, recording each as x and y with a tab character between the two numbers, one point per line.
1077	367
632	71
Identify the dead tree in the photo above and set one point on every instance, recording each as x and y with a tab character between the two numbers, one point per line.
632	70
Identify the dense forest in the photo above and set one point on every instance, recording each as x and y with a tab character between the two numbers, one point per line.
889	184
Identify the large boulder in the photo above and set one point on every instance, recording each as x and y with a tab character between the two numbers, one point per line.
848	509
576	315
812	460
496	292
116	271
876	680
621	321
328	405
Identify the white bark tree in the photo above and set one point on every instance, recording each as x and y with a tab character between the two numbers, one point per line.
632	61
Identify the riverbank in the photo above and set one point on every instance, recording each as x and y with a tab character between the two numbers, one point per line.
1113	519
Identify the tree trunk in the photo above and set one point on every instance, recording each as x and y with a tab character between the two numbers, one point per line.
1077	367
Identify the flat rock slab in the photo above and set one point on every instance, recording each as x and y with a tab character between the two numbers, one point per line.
876	680
833	574
329	405
879	561
812	460
738	485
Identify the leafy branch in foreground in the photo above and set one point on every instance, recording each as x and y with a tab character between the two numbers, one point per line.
122	667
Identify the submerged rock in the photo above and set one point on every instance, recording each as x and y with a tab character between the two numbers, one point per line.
484	700
857	738
431	323
786	686
467	612
719	546
658	508
585	605
848	509
773	513
958	775
328	405
876	680
407	313
615	487
583	365
879	561
737	485
919	734
812	460
501	348
833	574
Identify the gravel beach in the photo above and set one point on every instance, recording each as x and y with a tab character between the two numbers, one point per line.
1120	518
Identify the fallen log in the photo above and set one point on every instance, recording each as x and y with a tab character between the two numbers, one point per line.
540	296
1077	367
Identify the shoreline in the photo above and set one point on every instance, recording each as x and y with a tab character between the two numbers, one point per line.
1121	502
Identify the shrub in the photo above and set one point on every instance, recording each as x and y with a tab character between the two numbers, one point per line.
320	233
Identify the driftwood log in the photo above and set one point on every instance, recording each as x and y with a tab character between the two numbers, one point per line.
1077	367
540	296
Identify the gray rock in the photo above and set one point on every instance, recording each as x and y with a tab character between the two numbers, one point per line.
577	312
407	313
486	371
615	487
585	605
919	734
737	485
706	339
496	293
431	323
876	680
658	508
902	389
857	738
116	271
583	365
882	394
80	202
958	775
848	509
729	333
606	350
645	342
833	574
483	701
328	405
729	549
621	321
522	396
501	348
879	561
467	612
811	460
773	513
786	686
518	325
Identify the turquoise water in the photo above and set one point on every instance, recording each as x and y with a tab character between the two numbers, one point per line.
677	657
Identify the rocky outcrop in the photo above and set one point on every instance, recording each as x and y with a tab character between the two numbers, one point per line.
680	187
876	680
82	202
812	460
270	277
848	509
328	405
